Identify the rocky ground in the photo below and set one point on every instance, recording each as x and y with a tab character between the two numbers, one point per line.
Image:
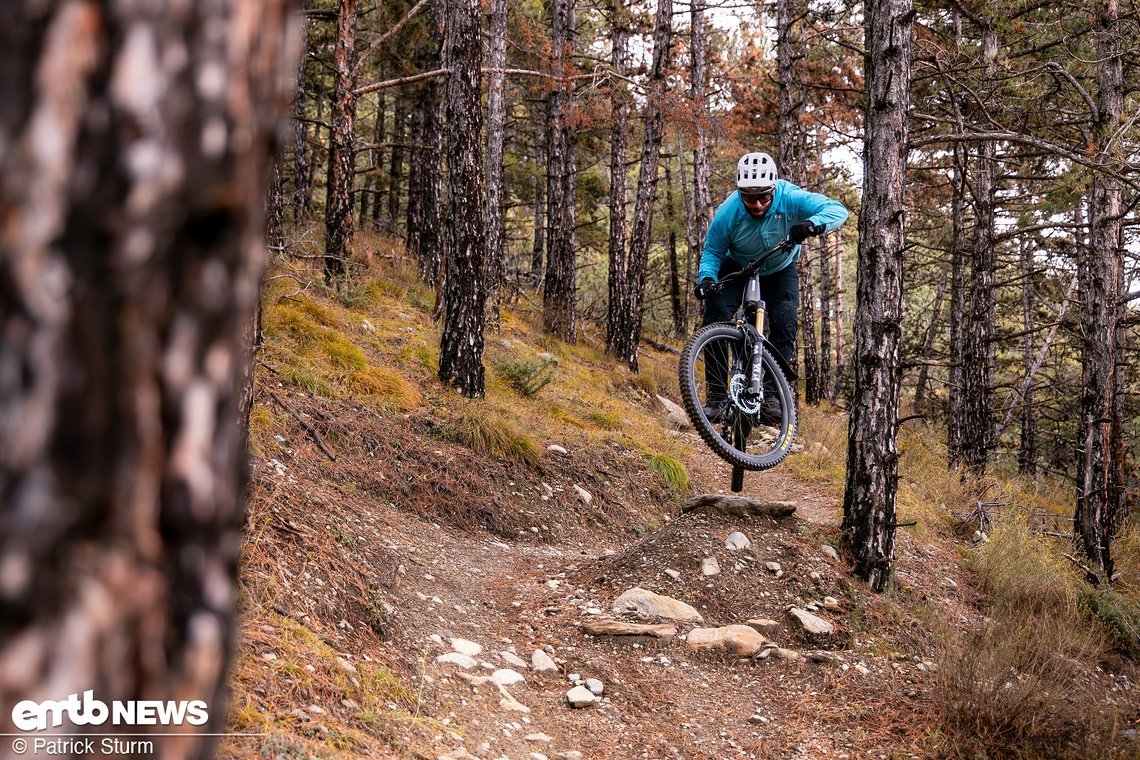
516	642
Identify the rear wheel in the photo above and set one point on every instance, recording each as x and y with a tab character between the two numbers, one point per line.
752	431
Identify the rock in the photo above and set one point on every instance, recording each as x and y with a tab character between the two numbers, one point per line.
789	655
463	646
737	541
542	663
678	420
950	583
812	624
832	604
655	605
510	703
554	447
739	506
580	696
368	326
269	657
538	738
569	755
536	756
583	494
758	718
863	669
816	577
514	660
735	640
595	686
764	625
621	628
822	656
773	567
674	574
574	677
346	666
830	552
458	659
316	710
709	566
506	677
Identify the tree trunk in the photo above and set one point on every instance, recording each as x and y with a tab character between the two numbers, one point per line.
813	392
619	182
978	346
424	234
275	209
461	346
628	338
872	451
129	288
1099	276
377	162
302	201
840	365
399	132
1027	446
541	154
958	255
496	119
674	273
559	298
338	203
825	317
932	332
701	203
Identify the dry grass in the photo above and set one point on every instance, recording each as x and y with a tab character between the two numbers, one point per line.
490	434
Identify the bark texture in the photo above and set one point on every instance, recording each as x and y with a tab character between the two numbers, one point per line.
872	451
424	234
1099	275
701	199
619	179
559	297
134	141
338	198
496	120
461	346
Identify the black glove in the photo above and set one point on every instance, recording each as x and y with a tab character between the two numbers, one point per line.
702	289
802	231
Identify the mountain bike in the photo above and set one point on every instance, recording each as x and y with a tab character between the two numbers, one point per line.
734	383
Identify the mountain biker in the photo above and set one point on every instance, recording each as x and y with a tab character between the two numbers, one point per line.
761	212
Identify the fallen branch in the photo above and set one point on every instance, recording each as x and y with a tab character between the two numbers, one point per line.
308	428
618	628
660	346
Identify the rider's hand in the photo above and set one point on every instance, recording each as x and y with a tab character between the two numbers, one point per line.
702	289
802	231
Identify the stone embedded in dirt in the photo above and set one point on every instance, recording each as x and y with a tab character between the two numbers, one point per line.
737	541
739	506
832	604
823	657
570	755
463	646
816	577
736	640
622	628
648	604
772	567
812	624
678	420
595	686
458	659
269	657
764	625
554	447
537	738
674	574
830	552
514	660
507	677
574	677
785	654
583	494
863	669
709	566
316	710
510	703
950	583
580	696
542	662
346	666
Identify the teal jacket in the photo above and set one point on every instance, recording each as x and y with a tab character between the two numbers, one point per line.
735	234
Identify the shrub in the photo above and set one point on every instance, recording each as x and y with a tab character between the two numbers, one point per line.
1120	616
490	434
671	471
526	376
387	385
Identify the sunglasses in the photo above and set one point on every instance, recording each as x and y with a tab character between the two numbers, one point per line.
761	197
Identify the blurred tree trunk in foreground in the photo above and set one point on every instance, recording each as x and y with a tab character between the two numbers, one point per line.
133	150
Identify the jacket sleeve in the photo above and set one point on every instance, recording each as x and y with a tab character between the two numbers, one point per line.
716	245
819	209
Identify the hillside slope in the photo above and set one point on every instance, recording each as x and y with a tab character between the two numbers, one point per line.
389	516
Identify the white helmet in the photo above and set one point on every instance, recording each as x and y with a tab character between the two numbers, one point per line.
755	170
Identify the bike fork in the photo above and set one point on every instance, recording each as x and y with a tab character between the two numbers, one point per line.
757	365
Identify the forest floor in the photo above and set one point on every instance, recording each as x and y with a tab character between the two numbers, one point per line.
426	534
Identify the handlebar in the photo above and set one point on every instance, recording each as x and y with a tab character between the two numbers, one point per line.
784	245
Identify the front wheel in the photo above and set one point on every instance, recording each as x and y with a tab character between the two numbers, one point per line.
753	431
